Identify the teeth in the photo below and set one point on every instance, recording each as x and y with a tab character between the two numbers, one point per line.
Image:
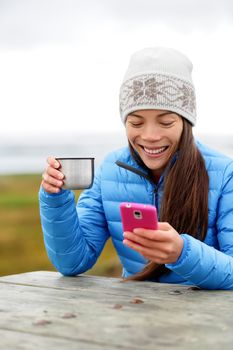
154	151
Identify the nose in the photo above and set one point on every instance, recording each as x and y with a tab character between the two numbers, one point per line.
151	133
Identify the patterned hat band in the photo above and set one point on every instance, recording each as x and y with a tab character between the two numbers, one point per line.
158	91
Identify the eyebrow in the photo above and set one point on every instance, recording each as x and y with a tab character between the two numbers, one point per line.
159	115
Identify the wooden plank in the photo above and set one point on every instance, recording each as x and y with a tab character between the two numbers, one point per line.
51	279
170	315
13	340
97	284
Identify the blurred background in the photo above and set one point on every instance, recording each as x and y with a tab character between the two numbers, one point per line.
61	66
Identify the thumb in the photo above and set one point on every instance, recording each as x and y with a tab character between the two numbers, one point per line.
164	226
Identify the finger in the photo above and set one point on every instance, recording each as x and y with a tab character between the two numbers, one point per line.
52	180
53	162
139	239
149	243
54	173
152	235
164	226
159	258
50	188
145	251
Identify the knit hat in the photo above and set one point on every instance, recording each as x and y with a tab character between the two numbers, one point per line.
158	78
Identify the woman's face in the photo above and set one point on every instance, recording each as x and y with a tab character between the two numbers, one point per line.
154	135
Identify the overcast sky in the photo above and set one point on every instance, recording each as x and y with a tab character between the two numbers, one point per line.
62	61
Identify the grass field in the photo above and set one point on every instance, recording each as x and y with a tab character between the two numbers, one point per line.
21	239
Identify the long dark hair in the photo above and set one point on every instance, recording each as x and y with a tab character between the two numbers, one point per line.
185	201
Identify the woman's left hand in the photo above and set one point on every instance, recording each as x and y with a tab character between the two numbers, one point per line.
162	246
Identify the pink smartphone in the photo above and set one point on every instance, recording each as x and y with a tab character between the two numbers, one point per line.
135	215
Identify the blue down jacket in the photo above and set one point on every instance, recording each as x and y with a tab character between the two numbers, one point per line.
75	235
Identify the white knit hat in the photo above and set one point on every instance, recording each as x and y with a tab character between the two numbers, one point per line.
159	78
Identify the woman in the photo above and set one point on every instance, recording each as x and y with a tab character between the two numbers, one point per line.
191	186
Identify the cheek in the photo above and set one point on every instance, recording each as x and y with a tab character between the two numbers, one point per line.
179	135
130	133
176	142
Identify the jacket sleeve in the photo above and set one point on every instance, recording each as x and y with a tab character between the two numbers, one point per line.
203	265
74	236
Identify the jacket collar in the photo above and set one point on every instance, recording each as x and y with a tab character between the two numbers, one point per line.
143	171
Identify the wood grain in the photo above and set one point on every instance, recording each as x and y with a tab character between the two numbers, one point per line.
45	309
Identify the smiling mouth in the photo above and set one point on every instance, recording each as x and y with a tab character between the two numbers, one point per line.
154	151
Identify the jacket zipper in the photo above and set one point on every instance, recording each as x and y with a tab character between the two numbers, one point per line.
141	173
156	197
134	170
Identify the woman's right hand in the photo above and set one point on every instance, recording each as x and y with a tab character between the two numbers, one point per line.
52	178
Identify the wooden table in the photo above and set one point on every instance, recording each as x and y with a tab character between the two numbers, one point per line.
43	310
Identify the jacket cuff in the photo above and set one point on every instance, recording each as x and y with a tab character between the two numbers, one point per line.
184	254
55	200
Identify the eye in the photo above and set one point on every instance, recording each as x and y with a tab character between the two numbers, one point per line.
167	124
135	124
